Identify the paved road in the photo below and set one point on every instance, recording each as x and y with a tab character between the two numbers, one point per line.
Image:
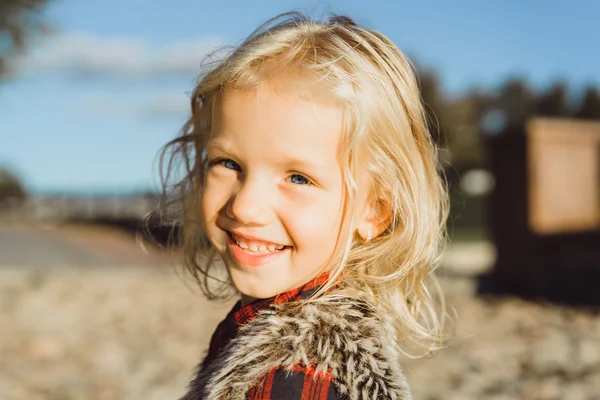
27	246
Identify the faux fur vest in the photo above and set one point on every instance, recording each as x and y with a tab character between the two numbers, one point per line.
340	336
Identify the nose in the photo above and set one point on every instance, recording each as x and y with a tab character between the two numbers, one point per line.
250	204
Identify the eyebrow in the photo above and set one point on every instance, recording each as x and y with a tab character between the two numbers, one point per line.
218	144
301	162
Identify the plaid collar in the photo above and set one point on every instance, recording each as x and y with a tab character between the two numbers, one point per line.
243	315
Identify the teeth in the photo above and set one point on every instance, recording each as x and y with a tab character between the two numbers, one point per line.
242	243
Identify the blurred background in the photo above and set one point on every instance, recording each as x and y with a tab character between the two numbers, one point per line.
90	91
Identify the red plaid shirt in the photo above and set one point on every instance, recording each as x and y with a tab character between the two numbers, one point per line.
298	383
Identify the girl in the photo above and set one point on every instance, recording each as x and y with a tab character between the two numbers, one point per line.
311	174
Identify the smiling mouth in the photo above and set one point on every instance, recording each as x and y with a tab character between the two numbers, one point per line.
256	247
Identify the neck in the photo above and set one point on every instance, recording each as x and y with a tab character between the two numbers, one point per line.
247	300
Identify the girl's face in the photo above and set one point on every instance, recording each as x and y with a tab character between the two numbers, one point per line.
273	199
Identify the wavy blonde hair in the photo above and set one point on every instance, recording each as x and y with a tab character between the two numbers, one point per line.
385	127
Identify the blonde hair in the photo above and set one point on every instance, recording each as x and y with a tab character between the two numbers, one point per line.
385	126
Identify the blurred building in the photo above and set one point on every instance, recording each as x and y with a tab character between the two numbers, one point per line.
545	209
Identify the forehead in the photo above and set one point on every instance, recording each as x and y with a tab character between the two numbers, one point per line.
275	122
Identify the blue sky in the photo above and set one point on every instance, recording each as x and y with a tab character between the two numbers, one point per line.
89	107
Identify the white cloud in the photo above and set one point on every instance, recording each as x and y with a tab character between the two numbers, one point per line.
167	105
164	104
86	55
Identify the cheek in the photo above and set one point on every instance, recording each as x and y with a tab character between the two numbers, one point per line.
317	225
214	196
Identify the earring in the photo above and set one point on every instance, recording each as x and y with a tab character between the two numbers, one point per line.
368	236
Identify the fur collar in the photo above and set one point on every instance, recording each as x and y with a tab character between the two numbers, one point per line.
337	335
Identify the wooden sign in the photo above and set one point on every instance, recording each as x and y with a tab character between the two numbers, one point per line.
563	163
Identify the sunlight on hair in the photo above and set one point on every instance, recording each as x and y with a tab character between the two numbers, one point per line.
386	135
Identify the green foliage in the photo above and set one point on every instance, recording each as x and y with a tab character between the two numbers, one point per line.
590	105
20	20
10	188
435	105
518	102
553	102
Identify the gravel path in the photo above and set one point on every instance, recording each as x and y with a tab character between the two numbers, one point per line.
118	331
35	248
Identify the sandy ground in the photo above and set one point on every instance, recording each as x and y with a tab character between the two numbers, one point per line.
85	314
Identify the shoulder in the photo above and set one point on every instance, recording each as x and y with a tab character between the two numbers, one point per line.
340	337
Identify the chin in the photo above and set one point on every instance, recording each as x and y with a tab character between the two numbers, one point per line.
258	285
266	281
255	289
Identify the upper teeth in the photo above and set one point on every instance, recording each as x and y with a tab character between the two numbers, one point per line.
256	245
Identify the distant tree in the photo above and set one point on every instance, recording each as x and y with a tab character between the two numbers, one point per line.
20	20
10	187
553	102
590	105
517	100
463	129
435	106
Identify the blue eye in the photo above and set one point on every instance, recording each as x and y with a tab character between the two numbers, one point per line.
299	179
230	164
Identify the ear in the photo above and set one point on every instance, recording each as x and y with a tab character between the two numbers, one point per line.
374	219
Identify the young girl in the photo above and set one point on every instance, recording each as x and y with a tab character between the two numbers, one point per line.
311	174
